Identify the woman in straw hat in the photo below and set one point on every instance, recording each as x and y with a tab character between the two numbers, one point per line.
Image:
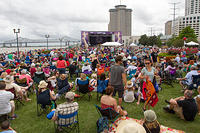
45	96
130	126
151	124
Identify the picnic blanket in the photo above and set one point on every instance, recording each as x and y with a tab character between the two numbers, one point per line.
163	129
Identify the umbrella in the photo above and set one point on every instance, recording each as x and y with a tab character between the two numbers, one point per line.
111	44
192	44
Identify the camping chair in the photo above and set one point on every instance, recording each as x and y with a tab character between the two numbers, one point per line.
195	82
83	87
23	83
111	114
70	121
40	109
39	77
17	99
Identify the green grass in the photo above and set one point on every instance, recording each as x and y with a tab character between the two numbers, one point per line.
29	122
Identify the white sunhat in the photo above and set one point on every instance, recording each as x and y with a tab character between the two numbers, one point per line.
130	126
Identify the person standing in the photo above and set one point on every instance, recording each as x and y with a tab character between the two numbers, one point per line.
117	78
61	65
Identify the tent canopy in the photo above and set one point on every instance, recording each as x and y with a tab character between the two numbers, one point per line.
133	45
192	44
111	44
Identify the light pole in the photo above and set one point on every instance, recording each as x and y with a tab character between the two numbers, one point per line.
17	32
47	36
61	39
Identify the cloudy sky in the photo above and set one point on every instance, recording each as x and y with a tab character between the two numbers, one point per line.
58	18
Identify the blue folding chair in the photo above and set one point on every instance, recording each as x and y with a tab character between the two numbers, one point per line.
71	123
83	88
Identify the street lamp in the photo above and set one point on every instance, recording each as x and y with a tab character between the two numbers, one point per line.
17	32
47	36
61	39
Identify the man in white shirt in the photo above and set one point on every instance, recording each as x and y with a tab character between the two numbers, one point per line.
187	80
6	105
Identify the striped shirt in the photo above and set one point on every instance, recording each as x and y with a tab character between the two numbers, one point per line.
5	98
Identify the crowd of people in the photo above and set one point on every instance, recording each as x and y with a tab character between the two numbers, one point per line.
134	74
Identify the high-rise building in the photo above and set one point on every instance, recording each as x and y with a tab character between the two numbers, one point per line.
192	7
191	18
168	27
121	20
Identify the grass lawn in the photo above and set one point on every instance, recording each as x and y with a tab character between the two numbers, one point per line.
29	122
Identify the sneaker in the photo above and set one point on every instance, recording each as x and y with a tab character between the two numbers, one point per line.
13	117
168	110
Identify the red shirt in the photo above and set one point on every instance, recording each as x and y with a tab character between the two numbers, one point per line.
61	64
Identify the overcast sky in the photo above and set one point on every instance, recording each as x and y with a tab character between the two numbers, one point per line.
57	18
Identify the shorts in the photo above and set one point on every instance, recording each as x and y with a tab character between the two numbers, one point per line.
119	89
184	82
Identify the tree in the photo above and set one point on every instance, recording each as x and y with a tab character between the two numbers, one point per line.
189	33
178	43
143	40
153	40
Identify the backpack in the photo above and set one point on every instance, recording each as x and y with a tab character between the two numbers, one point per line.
102	124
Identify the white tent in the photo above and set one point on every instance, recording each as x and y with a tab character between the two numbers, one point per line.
133	45
192	44
111	44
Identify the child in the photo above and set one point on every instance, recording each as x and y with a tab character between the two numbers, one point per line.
5	126
129	93
93	82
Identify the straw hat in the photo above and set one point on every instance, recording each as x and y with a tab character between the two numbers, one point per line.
23	71
129	84
130	126
42	84
8	79
150	116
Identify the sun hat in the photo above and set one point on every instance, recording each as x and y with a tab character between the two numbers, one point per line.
150	116
42	84
130	126
129	84
70	95
23	71
8	79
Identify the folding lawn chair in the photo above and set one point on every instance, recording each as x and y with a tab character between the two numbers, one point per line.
70	122
111	114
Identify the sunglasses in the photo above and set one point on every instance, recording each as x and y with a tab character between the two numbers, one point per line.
147	63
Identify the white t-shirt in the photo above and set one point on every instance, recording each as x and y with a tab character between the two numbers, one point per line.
129	96
5	97
189	76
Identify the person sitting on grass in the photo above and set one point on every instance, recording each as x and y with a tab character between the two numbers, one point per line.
185	107
197	99
66	108
151	124
187	80
129	93
45	96
5	127
107	101
7	105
